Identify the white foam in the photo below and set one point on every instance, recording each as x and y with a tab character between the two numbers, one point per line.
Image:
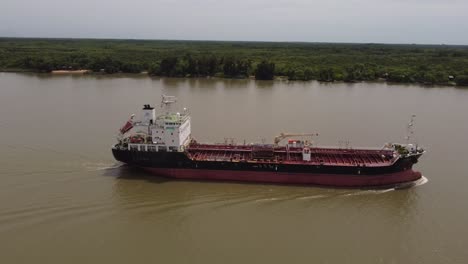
266	199
366	192
312	197
421	181
101	166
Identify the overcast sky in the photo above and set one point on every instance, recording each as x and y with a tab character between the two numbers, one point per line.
378	21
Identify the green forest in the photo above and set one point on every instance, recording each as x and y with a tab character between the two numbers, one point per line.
296	61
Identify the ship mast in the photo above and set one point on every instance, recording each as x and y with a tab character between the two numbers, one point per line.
410	129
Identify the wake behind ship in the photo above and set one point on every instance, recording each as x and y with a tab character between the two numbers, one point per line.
162	144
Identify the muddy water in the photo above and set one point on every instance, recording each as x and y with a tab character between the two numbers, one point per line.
63	199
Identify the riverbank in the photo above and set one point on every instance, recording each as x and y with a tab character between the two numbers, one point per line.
277	79
327	62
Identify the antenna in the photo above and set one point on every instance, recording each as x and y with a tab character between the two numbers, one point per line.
410	129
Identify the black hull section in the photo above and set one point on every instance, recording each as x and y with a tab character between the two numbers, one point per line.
179	160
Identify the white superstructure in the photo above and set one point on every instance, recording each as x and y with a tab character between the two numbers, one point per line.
168	131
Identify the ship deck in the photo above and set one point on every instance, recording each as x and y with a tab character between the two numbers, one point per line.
284	155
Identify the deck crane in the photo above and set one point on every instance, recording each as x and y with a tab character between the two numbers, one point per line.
286	135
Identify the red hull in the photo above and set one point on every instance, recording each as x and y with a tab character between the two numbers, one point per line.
337	180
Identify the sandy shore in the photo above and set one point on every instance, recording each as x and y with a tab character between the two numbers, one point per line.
71	72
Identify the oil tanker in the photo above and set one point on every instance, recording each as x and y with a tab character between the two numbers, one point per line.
161	143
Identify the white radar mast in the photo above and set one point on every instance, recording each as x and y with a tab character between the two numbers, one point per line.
167	101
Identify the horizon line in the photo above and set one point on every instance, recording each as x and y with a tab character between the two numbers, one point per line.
234	41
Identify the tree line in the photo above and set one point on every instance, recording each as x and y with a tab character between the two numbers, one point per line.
265	61
229	67
186	66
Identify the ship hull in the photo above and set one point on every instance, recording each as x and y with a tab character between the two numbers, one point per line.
177	165
335	180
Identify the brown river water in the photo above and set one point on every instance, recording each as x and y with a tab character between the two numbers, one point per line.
63	198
